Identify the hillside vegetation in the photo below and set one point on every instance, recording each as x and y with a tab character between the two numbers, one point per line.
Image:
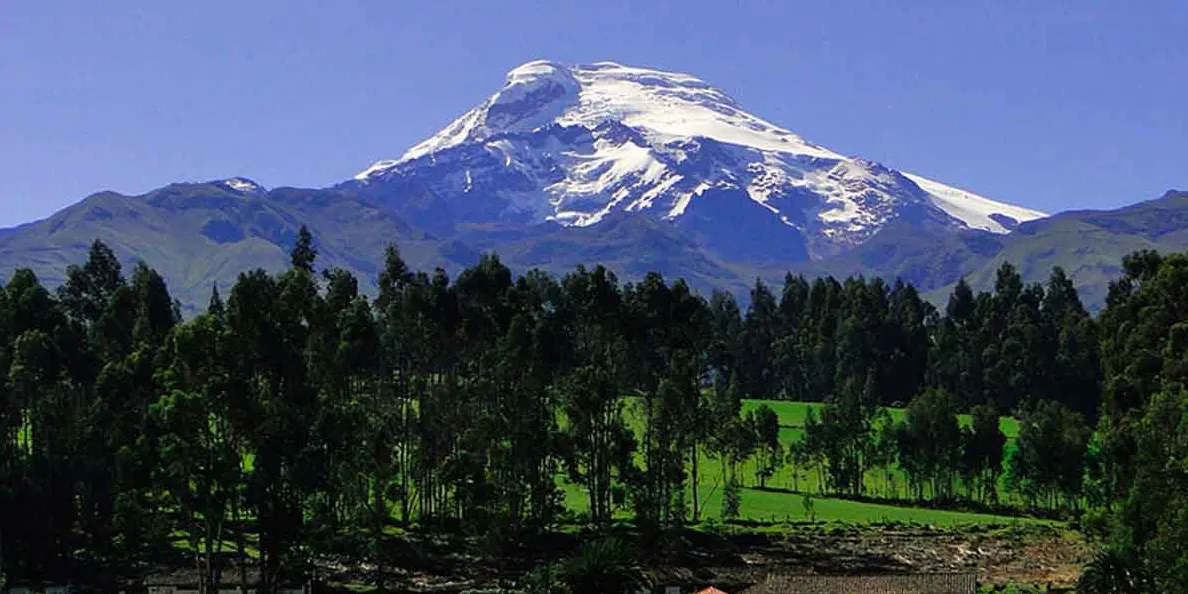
297	426
200	235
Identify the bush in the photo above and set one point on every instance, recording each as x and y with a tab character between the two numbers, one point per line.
605	565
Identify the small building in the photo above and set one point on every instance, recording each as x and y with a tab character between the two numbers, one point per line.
937	583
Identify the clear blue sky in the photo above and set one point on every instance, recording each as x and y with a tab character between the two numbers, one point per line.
1054	105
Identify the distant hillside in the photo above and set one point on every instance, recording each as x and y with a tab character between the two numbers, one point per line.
199	235
202	234
1088	244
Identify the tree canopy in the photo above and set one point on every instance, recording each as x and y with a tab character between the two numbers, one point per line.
297	417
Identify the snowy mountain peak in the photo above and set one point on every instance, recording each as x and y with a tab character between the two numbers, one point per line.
663	105
242	185
573	144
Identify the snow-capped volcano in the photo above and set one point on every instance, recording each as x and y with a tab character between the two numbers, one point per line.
576	144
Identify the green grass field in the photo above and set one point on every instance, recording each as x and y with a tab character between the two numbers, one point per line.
793	414
782	506
784	499
792	417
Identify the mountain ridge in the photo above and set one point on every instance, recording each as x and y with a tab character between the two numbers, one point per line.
206	233
634	168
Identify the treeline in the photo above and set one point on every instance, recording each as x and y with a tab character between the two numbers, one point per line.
1026	350
1142	437
297	418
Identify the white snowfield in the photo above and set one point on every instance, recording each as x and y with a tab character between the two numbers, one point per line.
242	184
973	210
659	142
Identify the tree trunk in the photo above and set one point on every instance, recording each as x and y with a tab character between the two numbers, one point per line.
239	545
695	480
379	533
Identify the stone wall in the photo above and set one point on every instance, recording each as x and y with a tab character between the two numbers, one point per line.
948	583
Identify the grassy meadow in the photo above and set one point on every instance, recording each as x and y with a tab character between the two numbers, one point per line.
796	494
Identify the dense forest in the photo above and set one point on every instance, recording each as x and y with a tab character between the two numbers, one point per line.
298	419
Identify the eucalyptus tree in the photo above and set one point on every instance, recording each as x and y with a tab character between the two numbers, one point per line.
1048	464
983	455
598	444
724	349
401	352
757	366
793	334
1073	348
271	320
528	365
770	451
200	455
930	443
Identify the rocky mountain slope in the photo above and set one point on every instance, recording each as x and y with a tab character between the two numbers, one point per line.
575	145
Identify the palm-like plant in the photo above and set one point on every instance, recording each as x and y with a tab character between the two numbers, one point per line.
1111	572
605	565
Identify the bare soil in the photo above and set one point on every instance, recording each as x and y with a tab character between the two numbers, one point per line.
1039	556
737	556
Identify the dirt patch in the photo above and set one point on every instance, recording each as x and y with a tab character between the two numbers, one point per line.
1036	556
737	557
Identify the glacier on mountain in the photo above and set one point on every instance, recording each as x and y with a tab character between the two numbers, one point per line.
242	185
576	144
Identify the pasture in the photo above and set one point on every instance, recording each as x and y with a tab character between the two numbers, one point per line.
796	494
